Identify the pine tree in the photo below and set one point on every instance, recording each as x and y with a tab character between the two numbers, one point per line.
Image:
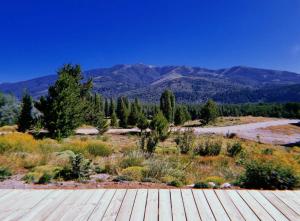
63	108
111	107
167	105
106	107
161	125
113	120
25	119
209	113
123	111
134	113
142	122
179	118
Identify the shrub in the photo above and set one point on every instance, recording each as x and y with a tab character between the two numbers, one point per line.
234	149
18	142
133	158
159	169
201	185
185	141
215	179
99	149
176	183
135	173
3	147
260	174
122	178
267	151
4	173
42	174
208	148
80	168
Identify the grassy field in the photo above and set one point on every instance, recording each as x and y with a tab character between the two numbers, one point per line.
201	160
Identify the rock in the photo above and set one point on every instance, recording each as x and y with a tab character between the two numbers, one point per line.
225	186
101	176
211	184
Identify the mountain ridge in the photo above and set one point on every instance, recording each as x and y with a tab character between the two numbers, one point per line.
190	84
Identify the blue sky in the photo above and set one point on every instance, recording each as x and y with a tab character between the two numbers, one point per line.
36	37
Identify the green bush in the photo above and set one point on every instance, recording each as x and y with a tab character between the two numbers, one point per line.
42	174
159	169
267	151
135	173
79	168
99	149
122	178
176	183
208	148
133	158
4	173
260	174
3	147
234	149
185	141
201	185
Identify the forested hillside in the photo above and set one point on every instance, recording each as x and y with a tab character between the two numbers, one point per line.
189	84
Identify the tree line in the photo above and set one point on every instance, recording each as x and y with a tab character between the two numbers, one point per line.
70	103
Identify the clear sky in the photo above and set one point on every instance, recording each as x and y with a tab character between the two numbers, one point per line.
38	36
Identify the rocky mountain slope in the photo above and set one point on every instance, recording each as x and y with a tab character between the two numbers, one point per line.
190	84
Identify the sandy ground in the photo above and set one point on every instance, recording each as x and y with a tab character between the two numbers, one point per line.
252	131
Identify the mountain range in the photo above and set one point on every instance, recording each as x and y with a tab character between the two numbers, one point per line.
237	84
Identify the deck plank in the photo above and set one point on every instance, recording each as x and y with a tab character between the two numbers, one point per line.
288	201
202	205
45	207
127	205
114	207
165	210
178	211
247	213
149	205
71	214
272	210
19	208
102	206
191	210
233	213
138	210
282	207
89	206
151	213
215	205
255	206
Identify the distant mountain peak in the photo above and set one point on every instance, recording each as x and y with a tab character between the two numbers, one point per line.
190	84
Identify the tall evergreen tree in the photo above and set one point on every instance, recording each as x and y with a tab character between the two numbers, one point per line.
134	112
25	119
113	119
63	108
209	112
167	105
111	107
106	108
123	111
160	125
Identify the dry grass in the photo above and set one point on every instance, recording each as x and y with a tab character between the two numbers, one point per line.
289	129
9	129
23	153
230	121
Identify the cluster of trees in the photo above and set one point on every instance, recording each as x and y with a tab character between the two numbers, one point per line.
71	103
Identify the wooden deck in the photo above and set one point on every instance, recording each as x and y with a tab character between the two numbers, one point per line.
149	205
